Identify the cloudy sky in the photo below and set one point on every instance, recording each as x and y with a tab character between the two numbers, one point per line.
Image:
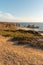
21	10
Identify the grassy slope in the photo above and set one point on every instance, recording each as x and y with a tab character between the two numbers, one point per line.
23	37
11	54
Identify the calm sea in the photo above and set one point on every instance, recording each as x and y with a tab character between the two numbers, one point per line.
40	24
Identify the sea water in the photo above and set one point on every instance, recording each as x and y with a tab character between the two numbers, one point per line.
40	24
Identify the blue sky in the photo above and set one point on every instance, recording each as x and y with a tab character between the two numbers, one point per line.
21	10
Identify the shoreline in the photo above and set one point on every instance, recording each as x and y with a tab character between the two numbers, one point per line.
41	32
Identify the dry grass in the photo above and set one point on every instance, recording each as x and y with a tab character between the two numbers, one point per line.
11	54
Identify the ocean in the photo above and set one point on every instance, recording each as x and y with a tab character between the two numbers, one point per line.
40	24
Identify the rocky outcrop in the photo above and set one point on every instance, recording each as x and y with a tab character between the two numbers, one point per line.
7	25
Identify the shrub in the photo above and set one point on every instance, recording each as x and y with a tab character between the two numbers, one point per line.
23	42
6	35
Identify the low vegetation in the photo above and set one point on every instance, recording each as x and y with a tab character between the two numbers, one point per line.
24	37
19	47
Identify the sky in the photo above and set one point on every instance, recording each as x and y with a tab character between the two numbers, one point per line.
21	10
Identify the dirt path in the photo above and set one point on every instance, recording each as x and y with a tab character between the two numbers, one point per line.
11	54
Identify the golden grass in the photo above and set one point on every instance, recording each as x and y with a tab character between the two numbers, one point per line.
11	54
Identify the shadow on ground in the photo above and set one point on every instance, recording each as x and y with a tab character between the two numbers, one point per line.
16	43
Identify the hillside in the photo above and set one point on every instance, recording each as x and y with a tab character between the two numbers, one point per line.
8	25
20	47
13	54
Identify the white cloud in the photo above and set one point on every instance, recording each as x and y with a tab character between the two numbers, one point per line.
9	17
6	17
